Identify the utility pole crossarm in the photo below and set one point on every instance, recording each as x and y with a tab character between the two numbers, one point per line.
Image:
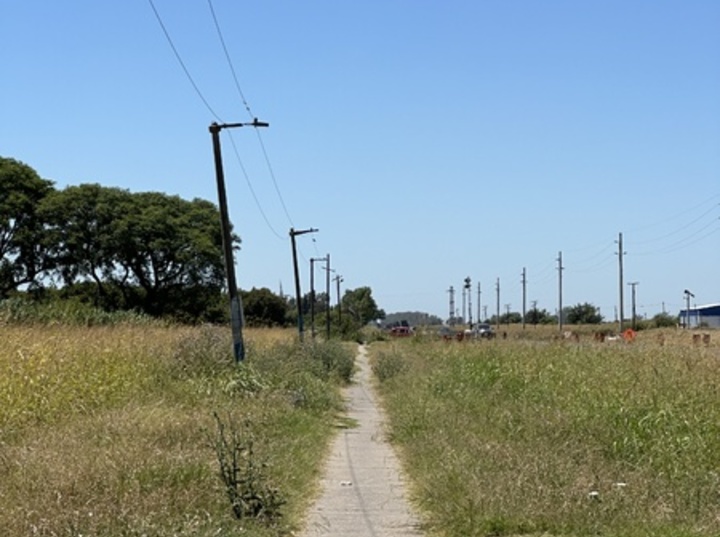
217	127
294	232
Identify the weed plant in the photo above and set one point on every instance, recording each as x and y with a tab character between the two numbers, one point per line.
521	438
104	429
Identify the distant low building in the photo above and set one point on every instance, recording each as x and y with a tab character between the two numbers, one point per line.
701	316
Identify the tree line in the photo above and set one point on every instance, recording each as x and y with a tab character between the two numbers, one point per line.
149	252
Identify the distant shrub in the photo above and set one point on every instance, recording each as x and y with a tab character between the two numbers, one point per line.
665	320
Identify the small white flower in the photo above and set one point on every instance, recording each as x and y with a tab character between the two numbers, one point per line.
594	495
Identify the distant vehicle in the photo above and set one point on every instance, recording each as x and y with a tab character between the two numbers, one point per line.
484	330
401	331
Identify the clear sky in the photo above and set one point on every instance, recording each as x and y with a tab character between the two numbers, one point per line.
428	141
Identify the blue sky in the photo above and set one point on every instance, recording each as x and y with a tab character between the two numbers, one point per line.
427	141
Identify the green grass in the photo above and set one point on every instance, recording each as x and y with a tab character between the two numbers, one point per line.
109	431
522	438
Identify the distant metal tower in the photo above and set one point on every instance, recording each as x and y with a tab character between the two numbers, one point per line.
468	287
452	305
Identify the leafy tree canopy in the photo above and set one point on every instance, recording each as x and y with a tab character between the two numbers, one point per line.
262	307
584	313
361	305
22	248
536	316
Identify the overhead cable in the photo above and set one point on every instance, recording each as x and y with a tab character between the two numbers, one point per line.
182	63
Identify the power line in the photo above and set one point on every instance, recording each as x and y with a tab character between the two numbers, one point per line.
679	245
272	176
182	63
252	190
247	107
229	61
214	114
607	261
678	230
681	213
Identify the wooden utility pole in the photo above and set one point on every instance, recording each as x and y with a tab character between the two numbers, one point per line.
634	316
620	269
497	299
312	294
298	296
236	311
339	279
524	300
327	290
560	292
479	318
688	294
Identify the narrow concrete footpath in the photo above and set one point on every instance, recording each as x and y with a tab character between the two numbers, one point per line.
363	494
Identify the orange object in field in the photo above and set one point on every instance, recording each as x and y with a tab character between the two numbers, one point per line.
629	335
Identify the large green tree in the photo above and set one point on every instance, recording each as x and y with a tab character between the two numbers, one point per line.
150	251
82	227
262	307
361	305
168	245
22	244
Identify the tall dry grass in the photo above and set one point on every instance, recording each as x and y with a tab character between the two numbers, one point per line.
109	431
514	437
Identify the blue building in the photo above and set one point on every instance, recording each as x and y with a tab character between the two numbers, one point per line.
701	316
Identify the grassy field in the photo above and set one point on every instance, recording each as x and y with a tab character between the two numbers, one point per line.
121	430
540	437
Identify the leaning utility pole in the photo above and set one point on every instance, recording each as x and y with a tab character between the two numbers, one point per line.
620	261
524	300
560	297
298	296
236	312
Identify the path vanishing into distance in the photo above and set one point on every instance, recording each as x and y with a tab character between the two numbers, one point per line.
363	492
